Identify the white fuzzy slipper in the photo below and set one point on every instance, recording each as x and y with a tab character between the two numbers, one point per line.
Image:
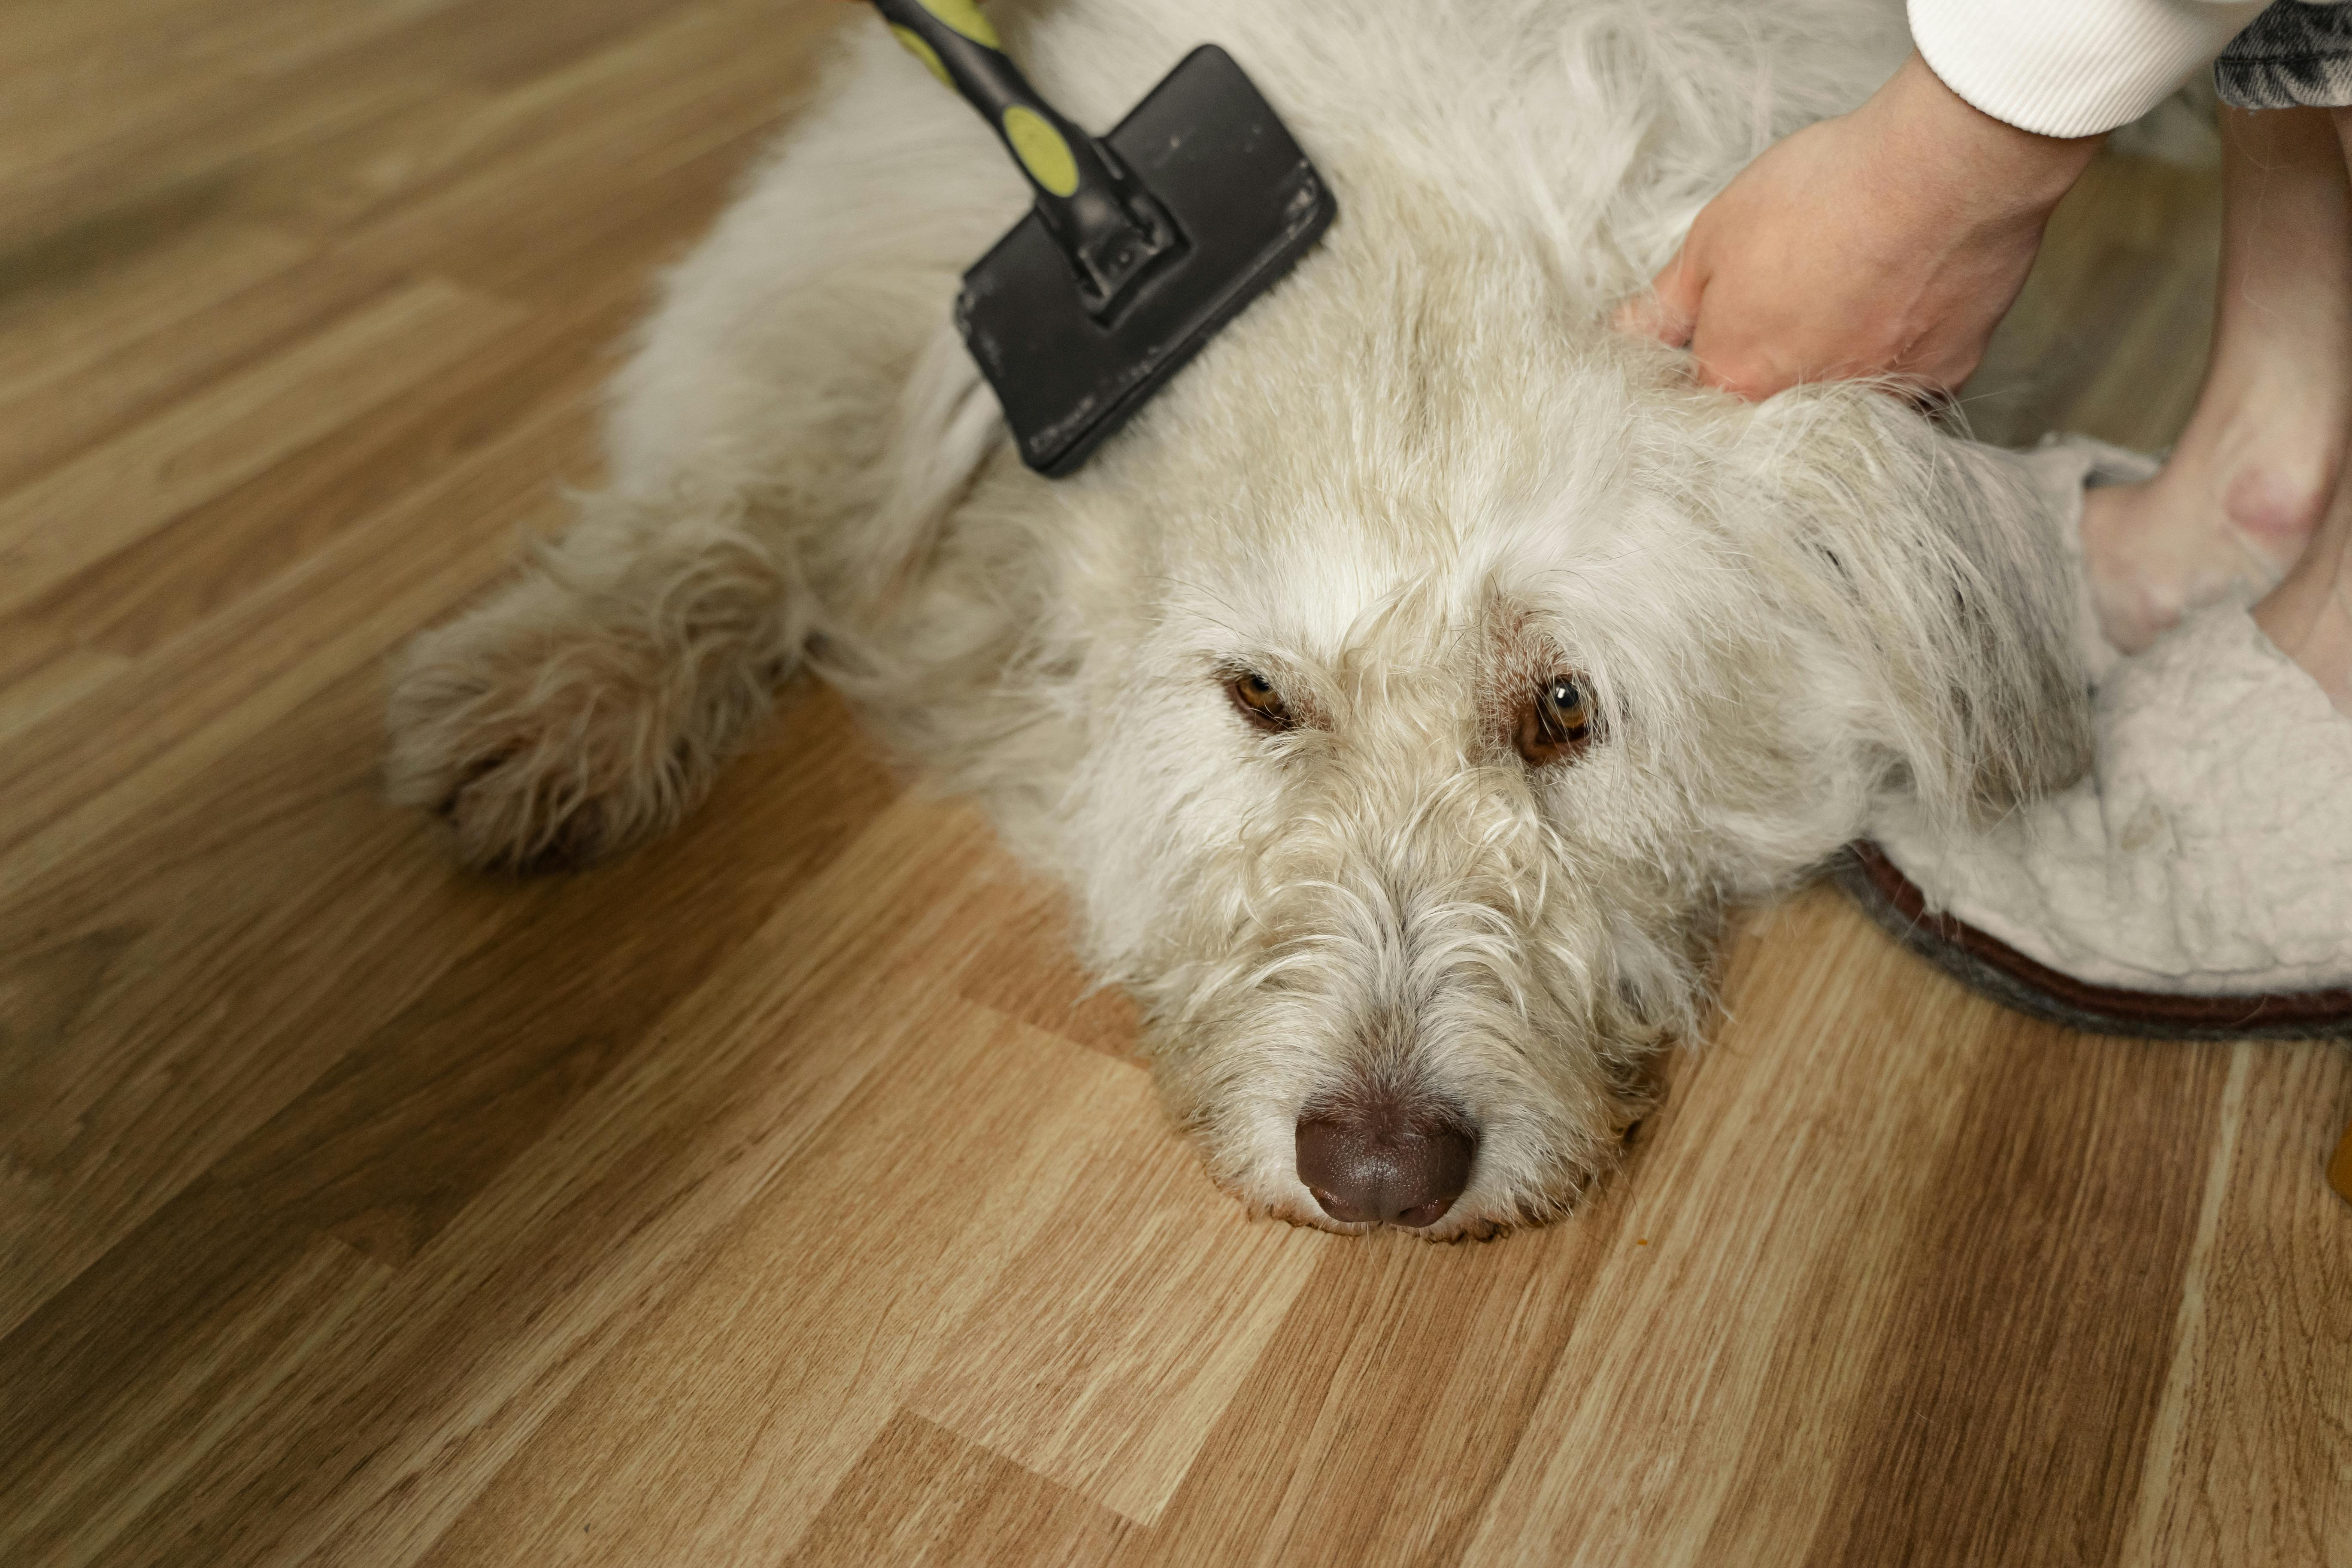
2198	884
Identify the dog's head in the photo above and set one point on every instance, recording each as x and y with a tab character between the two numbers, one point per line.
1434	710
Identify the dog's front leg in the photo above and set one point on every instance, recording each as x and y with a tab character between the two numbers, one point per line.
589	705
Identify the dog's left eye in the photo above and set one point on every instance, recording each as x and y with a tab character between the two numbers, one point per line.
1554	722
1259	703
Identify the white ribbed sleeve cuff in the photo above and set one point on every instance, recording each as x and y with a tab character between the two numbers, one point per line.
2072	67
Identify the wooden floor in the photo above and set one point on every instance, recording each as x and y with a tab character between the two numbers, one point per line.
780	1195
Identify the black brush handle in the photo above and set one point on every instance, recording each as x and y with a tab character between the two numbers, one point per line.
1106	225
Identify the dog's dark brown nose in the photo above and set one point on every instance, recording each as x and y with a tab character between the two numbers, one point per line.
1381	1160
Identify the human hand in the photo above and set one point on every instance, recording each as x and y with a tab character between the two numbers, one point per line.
1889	241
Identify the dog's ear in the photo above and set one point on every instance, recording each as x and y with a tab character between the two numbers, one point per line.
1933	568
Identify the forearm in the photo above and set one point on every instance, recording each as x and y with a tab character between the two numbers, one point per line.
1952	166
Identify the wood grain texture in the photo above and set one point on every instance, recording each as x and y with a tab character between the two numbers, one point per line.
785	1193
923	1496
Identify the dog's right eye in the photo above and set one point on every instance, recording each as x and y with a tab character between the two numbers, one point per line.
1555	721
1259	703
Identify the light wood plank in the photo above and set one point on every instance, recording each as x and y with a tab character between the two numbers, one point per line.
210	556
100	81
2082	1156
86	1501
53	417
95	305
920	1495
1379	1420
211	748
2250	1459
41	675
674	1153
191	700
788	1338
579	1123
1027	971
368	172
120	491
1766	1253
1122	1329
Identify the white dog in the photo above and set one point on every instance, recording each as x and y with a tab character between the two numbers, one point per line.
1404	695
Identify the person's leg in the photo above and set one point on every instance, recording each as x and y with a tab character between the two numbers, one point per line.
2309	615
2248	484
2198	883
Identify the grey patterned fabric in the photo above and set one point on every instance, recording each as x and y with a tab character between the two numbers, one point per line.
2295	53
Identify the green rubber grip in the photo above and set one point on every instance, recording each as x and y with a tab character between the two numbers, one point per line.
1102	220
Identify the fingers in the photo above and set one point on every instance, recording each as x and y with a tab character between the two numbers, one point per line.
1754	382
1754	374
1668	312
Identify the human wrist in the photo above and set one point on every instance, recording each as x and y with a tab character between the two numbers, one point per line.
1974	169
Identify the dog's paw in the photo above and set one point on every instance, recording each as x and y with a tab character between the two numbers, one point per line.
511	811
544	742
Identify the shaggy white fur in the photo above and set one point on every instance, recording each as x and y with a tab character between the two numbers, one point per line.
1412	485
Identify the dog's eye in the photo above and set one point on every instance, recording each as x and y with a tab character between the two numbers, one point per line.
1554	722
1259	703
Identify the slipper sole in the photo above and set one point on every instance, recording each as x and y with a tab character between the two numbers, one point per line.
1992	968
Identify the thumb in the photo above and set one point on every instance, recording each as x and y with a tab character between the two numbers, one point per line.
1668	309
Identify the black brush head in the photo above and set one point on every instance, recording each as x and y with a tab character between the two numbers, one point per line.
1246	203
